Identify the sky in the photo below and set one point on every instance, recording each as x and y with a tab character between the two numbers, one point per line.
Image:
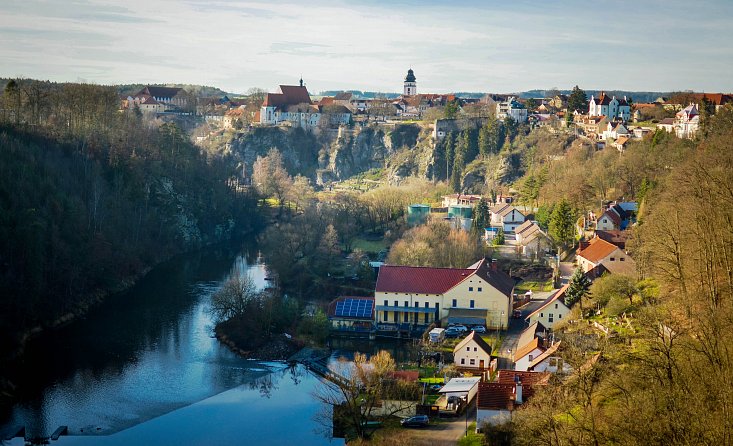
477	46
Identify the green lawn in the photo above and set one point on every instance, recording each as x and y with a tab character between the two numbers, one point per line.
535	286
371	246
472	439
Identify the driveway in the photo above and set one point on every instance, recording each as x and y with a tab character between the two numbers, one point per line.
443	432
566	271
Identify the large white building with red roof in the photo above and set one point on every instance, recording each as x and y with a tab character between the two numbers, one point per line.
412	297
611	108
292	105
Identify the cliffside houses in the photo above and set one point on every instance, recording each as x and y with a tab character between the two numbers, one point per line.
292	105
612	108
153	99
511	108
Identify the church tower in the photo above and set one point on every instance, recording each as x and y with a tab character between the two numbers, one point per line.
410	84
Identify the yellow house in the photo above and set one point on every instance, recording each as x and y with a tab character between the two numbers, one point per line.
409	298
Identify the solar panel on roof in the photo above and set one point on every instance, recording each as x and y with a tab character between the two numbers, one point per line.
354	308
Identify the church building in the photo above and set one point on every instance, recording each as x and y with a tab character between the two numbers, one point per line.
410	84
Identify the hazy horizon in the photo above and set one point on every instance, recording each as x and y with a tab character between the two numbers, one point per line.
468	46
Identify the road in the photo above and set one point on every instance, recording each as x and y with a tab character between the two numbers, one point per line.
516	326
566	271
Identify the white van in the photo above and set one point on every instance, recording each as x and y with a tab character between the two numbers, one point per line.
437	334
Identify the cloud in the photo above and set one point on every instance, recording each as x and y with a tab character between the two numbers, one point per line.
464	46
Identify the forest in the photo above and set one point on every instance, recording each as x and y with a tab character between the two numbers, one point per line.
91	198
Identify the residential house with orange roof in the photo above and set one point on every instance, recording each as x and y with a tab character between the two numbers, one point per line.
599	251
550	361
409	298
551	311
532	342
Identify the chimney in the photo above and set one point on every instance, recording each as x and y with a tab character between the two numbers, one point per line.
517	389
494	265
583	245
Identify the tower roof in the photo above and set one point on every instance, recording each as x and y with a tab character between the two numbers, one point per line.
410	76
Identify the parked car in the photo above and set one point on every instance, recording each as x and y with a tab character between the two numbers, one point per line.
451	332
479	329
461	328
416	421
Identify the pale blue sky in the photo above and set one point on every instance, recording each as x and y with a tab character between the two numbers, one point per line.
491	46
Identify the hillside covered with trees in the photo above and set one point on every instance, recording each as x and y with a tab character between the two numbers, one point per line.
91	197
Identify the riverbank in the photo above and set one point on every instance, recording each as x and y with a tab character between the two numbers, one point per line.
278	348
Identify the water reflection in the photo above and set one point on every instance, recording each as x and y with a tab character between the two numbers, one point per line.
143	353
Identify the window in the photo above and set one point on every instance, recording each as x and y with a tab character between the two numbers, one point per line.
463	361
613	259
531	357
386	304
471	304
468	349
475	349
479	289
427	305
473	361
455	303
396	304
555	305
542	315
470	288
417	304
404	317
551	318
426	318
386	316
407	304
559	316
623	259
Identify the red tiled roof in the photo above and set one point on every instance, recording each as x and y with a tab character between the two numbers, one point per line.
290	95
615	218
526	378
597	250
326	100
614	236
426	280
499	396
419	279
160	92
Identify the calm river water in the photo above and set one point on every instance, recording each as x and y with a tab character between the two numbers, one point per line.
144	368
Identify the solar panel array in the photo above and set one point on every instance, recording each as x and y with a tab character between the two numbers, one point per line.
361	308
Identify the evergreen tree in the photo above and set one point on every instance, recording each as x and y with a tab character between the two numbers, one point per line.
578	100
578	288
562	224
490	137
450	152
481	217
511	128
451	110
499	238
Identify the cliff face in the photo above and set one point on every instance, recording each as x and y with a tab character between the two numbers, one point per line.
299	148
357	151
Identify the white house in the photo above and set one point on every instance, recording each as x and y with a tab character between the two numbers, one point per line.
551	311
610	220
293	106
472	353
609	107
687	122
614	129
511	108
549	361
506	216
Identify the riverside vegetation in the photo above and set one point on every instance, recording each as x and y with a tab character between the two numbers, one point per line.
91	197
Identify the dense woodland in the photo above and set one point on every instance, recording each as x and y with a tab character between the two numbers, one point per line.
91	197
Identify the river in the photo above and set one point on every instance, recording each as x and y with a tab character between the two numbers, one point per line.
144	368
